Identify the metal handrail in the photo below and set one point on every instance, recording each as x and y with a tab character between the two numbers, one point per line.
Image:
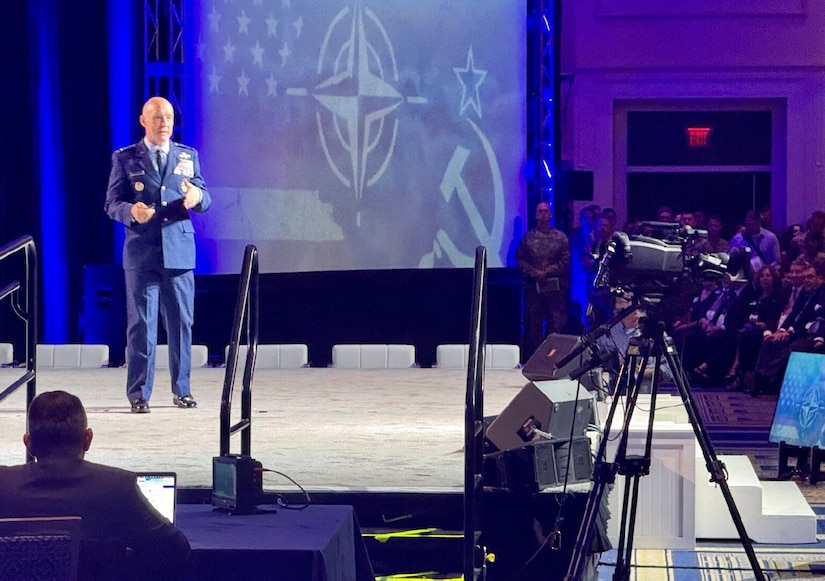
475	557
27	311
246	310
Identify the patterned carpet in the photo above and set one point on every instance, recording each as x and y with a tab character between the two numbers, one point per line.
717	563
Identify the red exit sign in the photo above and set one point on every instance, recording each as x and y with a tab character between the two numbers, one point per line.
698	136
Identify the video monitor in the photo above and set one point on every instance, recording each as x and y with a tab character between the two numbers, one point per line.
236	483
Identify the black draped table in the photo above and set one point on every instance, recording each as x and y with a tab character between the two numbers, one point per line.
319	543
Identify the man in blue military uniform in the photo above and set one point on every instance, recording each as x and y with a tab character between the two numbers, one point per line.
152	187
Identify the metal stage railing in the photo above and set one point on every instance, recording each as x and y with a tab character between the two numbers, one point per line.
26	309
246	311
475	557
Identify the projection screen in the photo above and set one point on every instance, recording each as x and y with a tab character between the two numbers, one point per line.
338	135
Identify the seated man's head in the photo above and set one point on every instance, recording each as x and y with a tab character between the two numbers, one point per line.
620	303
57	426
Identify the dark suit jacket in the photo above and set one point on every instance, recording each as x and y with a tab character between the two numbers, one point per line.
168	239
808	306
737	310
114	514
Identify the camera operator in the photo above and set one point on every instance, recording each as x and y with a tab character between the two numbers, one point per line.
617	341
600	301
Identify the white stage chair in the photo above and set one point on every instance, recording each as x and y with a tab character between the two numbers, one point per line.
72	355
200	356
496	356
500	356
6	353
373	356
286	356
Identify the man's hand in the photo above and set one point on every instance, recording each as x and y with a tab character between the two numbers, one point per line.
142	213
193	195
778	335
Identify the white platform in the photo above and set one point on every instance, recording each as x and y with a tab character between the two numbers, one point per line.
678	504
772	512
665	515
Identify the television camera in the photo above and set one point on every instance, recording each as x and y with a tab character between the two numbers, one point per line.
668	260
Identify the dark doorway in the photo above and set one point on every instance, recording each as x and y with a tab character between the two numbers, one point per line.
729	194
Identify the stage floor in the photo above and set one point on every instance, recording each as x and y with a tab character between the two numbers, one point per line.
328	429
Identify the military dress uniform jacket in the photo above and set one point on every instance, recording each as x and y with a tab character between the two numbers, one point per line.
168	239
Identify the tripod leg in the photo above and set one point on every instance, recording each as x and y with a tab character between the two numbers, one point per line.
716	469
604	473
633	467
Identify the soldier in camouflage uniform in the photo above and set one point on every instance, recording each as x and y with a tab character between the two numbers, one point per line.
543	257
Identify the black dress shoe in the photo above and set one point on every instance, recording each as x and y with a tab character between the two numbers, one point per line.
140	406
184	401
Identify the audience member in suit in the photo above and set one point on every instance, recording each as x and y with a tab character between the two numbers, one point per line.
728	314
763	315
686	326
114	513
153	186
776	346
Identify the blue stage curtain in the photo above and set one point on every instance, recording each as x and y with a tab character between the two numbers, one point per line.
56	138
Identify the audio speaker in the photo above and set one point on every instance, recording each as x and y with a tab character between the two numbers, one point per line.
540	465
549	406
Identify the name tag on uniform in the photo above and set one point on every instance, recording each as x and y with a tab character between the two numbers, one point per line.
185	168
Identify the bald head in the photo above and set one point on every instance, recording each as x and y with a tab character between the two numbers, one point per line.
158	119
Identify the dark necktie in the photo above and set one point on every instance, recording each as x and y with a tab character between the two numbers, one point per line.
161	160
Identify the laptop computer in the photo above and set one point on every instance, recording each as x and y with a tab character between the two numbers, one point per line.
160	489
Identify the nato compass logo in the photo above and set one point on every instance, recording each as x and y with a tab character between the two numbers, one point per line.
358	126
810	409
357	121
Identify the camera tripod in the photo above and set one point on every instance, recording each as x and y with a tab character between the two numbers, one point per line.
653	342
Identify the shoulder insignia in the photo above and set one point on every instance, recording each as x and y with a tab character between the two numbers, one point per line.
127	148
